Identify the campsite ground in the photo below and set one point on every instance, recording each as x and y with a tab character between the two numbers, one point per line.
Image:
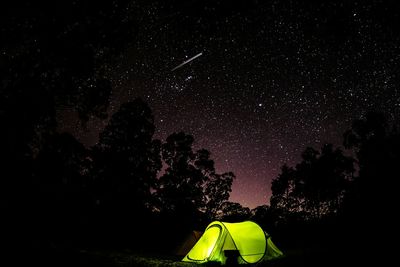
305	257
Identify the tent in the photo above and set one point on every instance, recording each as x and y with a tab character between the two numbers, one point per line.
220	239
190	240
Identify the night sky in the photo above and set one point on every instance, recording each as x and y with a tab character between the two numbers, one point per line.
273	78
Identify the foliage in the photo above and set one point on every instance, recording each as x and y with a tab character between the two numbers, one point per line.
190	183
125	164
53	56
234	212
373	196
217	190
316	186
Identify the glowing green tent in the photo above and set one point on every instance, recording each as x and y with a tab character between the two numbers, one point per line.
247	238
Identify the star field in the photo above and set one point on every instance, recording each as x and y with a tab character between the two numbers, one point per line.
274	77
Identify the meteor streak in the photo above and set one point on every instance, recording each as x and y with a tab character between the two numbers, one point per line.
187	61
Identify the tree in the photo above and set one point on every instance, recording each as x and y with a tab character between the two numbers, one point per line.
60	188
377	149
126	161
57	57
180	188
283	192
316	187
234	212
266	216
371	202
376	143
190	186
217	191
53	55
323	179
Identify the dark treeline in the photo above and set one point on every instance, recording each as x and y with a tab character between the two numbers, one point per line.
57	193
131	189
116	193
344	204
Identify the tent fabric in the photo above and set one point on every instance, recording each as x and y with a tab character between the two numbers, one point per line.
248	238
188	243
272	252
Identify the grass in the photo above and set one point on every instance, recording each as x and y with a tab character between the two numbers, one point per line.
293	258
129	259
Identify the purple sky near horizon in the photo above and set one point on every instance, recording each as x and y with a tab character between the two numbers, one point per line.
274	77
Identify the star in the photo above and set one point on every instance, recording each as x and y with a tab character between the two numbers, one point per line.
273	83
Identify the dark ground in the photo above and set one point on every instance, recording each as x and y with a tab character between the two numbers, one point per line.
126	258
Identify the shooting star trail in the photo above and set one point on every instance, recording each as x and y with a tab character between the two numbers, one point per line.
187	61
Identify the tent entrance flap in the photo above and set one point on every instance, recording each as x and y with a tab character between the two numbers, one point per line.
186	245
249	239
203	248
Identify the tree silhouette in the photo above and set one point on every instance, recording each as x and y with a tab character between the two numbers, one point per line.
316	187
377	151
190	187
373	198
61	189
217	191
260	213
234	212
180	187
283	197
323	179
125	165
53	56
57	57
